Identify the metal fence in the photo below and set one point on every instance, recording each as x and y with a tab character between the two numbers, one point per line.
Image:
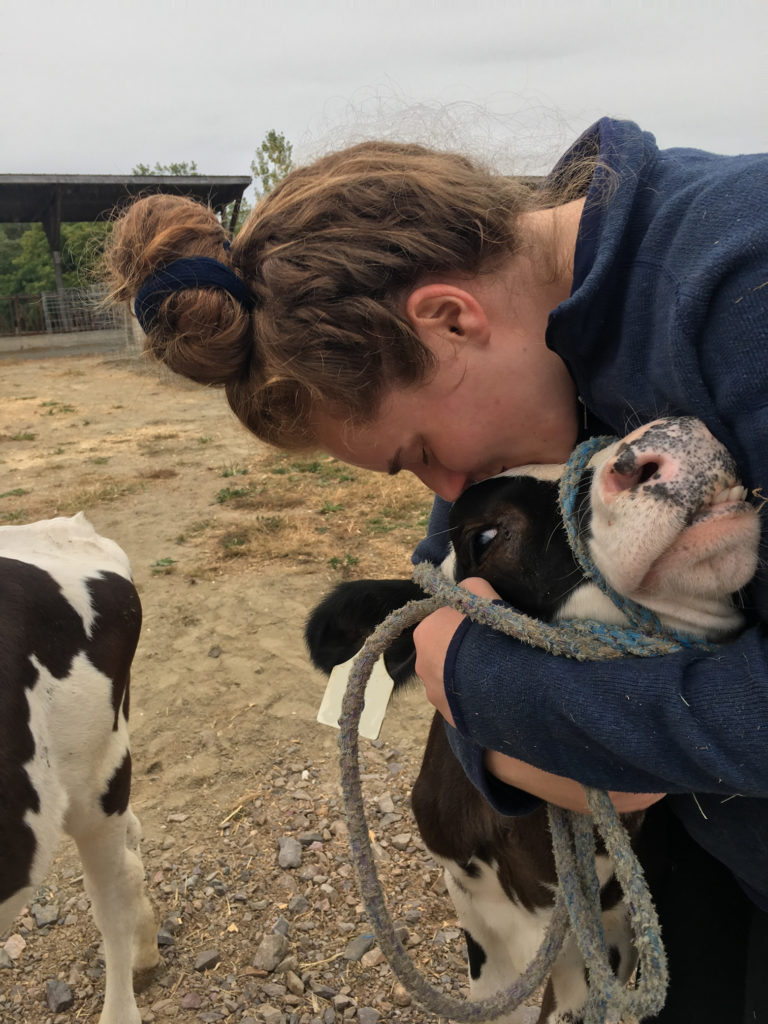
74	309
21	314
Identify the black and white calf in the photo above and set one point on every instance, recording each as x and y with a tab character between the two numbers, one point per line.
70	624
668	526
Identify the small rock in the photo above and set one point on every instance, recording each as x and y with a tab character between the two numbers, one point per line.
373	957
400	995
45	914
59	996
402	841
191	1001
5	960
294	984
164	937
386	804
358	947
281	926
298	904
324	991
207	959
271	951
15	946
307	838
271	1014
367	1015
214	652
272	990
289	852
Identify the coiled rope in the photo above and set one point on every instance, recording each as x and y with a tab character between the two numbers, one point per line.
577	904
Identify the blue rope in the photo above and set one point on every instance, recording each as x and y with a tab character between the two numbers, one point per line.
637	616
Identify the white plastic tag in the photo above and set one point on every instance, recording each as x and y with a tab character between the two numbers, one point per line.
377	693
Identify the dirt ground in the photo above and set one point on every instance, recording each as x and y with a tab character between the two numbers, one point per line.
231	545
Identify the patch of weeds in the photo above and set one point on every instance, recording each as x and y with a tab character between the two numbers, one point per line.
234	470
328	507
228	493
326	470
19	516
194	531
57	451
379	526
56	407
25	435
165	473
268	524
100	460
347	562
204	440
233	544
163	566
110	490
17	492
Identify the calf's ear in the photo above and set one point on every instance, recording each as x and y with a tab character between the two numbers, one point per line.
338	627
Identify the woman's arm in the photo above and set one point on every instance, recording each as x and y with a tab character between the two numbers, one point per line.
435	636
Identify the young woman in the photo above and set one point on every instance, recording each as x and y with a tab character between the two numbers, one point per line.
405	309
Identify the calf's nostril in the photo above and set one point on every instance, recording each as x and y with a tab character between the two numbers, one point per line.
628	472
650	469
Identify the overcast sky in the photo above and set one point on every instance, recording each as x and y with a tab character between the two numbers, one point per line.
97	87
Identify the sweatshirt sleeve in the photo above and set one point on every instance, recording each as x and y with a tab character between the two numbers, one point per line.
686	722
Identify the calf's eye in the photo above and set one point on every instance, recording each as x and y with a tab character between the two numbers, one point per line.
481	541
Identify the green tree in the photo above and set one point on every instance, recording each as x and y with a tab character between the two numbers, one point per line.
183	169
274	159
26	265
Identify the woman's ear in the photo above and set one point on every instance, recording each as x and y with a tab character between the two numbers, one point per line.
447	312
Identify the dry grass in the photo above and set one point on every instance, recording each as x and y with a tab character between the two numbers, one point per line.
95	434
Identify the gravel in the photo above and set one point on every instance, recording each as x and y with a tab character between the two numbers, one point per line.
259	919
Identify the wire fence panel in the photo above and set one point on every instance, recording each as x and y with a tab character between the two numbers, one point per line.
74	309
21	314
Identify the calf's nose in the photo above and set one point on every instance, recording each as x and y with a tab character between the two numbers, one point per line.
629	469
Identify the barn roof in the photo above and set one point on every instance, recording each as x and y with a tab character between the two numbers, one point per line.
52	199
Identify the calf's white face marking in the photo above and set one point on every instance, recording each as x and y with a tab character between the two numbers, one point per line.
670	526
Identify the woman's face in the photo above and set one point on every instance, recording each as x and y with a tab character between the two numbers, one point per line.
484	410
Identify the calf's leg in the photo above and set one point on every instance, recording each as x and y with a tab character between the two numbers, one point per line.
114	880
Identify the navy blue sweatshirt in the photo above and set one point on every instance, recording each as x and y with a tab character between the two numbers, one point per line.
668	315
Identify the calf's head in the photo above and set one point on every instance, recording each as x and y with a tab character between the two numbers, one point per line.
664	516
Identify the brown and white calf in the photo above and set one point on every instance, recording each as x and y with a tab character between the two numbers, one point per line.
668	526
70	620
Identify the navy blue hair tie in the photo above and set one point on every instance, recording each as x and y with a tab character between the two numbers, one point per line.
196	272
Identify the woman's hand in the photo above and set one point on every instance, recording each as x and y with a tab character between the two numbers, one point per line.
432	637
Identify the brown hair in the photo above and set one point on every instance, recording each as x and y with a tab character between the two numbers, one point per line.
330	256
